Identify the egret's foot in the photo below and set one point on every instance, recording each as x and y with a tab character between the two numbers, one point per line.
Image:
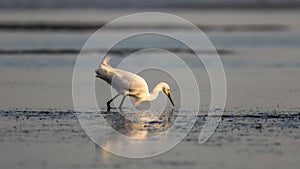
108	106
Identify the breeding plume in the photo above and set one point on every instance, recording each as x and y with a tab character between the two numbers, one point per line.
129	84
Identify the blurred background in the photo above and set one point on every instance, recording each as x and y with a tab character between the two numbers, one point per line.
146	4
258	42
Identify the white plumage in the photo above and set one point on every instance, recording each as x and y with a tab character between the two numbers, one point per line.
129	84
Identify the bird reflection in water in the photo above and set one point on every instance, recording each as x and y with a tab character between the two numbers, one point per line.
137	125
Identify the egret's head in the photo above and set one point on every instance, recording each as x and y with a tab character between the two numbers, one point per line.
166	89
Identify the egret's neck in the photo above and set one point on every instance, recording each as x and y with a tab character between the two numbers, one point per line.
154	94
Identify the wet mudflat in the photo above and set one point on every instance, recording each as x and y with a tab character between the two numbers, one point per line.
247	133
259	129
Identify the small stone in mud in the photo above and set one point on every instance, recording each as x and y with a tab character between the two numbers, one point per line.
258	126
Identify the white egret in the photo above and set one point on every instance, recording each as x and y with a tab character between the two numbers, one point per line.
129	84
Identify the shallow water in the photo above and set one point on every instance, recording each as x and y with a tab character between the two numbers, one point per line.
247	133
259	129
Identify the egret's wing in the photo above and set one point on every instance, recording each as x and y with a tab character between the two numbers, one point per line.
129	81
138	84
121	80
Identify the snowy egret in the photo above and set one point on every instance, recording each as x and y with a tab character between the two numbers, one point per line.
129	84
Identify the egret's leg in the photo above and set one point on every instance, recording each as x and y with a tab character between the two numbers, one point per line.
108	103
122	102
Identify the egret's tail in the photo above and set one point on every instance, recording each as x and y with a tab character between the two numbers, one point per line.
105	71
106	66
105	61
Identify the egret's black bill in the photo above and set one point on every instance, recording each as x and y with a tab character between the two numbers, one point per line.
169	96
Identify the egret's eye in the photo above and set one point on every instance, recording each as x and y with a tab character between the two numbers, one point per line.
167	91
